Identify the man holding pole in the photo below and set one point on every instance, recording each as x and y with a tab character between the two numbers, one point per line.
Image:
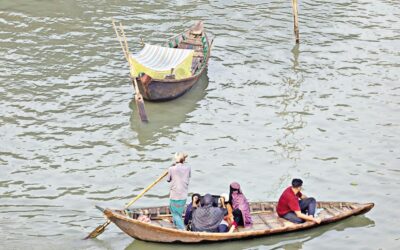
178	176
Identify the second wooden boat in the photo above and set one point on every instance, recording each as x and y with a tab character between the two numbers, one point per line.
165	73
265	222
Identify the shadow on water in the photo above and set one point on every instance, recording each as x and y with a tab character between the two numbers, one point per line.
165	116
294	240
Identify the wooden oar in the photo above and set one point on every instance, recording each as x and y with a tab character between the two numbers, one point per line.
100	229
138	97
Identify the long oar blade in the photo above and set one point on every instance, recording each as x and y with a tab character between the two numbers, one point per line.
98	230
140	106
139	102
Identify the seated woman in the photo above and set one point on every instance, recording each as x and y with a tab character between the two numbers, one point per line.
207	218
227	224
240	205
188	214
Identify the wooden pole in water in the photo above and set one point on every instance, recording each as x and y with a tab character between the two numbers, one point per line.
296	20
124	45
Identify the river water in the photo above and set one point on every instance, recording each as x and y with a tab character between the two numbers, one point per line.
326	111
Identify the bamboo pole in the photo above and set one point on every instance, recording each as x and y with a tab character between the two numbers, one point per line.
100	229
296	20
124	45
147	189
120	41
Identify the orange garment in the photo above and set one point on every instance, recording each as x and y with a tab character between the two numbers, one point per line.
229	217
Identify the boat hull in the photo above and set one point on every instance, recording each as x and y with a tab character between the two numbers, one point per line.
265	223
166	90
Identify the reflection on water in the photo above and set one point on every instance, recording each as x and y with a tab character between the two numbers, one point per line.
292	115
296	52
325	111
165	117
291	112
294	240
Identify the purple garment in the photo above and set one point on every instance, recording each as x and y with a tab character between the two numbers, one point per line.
178	176
239	201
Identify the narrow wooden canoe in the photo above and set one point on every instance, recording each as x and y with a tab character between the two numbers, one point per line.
167	89
265	222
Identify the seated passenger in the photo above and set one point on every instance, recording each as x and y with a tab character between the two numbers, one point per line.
240	205
207	218
144	216
227	224
294	206
188	214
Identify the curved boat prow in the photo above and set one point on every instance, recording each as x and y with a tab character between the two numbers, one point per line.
100	208
367	207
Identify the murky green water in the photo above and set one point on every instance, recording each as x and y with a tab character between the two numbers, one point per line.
267	111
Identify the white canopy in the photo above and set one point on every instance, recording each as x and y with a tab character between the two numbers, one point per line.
161	58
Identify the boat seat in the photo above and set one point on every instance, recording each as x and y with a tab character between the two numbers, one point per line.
198	54
192	42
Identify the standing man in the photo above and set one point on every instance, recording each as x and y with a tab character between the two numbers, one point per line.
178	176
294	206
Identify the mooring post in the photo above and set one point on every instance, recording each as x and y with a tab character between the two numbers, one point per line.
296	20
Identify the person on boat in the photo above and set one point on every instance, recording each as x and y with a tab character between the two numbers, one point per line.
295	206
144	216
192	205
240	206
178	176
207	218
227	224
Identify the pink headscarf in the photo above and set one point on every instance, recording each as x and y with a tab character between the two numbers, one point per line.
239	201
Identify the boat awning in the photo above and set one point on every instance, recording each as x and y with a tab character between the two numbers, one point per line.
157	62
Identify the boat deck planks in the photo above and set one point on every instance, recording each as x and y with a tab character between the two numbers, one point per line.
266	222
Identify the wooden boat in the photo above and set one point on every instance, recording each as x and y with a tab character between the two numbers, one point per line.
265	222
170	88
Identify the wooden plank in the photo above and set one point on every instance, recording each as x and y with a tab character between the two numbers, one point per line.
331	211
338	210
281	222
324	215
257	220
166	223
194	43
156	223
261	216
